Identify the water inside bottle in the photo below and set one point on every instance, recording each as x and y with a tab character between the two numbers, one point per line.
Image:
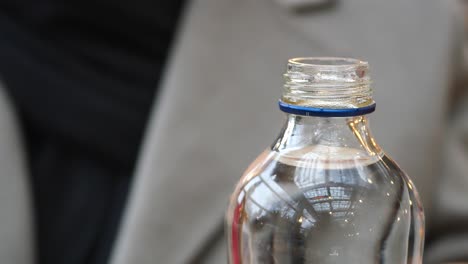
307	206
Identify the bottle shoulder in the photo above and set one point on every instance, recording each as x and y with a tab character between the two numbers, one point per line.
344	187
317	166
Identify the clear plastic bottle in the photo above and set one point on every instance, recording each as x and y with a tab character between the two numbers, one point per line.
325	192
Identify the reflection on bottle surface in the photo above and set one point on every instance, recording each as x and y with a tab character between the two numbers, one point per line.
304	210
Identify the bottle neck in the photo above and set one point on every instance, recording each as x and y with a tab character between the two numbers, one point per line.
328	135
326	100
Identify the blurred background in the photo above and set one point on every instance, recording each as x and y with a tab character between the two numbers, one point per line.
125	124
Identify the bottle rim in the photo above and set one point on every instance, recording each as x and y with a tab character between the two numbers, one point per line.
337	63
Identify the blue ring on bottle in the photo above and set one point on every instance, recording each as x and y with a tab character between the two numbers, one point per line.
325	112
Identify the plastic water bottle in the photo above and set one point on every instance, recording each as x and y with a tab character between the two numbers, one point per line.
325	192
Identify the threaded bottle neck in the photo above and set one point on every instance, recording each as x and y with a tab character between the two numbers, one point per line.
327	83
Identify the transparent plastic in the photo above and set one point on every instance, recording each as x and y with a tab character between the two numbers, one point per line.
325	192
328	83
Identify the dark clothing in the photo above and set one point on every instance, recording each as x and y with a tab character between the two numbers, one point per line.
83	76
